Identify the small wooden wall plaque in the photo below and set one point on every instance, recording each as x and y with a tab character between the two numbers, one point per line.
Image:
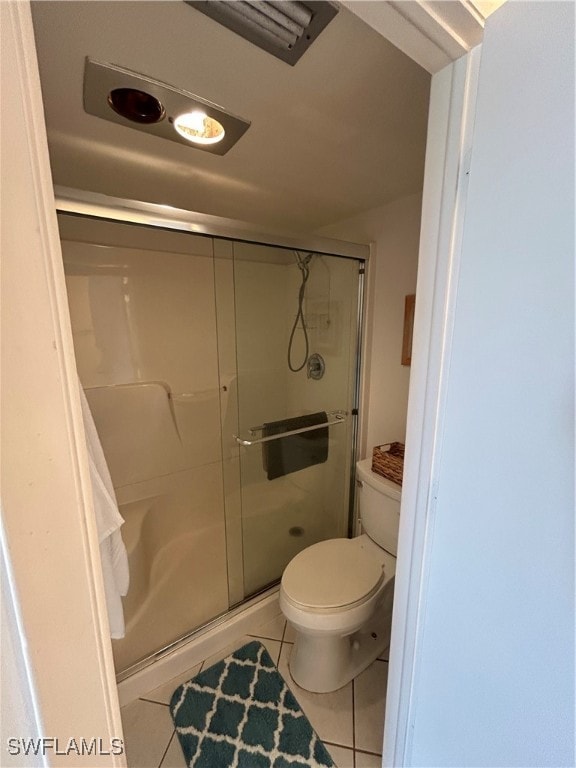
409	303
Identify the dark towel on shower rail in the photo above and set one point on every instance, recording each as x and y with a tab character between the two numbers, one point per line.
289	454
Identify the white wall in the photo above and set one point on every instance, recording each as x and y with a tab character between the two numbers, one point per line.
494	683
395	230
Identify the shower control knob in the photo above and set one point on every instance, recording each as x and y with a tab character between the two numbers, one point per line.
315	366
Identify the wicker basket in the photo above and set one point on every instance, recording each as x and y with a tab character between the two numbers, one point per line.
388	461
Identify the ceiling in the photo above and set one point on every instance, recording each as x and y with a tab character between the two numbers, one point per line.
341	132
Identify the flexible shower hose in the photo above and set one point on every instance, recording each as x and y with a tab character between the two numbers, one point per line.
303	267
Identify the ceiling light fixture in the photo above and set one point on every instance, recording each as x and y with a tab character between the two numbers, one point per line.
137	101
198	128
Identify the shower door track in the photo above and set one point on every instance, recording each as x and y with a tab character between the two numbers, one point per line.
94	205
197	633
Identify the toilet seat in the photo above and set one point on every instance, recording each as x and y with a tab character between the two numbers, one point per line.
332	575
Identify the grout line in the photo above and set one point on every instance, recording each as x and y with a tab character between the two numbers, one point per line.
272	639
263	637
284	631
167	748
354	722
335	744
340	746
152	701
277	661
365	752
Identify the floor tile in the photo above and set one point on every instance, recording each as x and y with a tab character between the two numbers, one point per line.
273	630
369	706
174	757
343	758
164	692
148	729
363	760
272	646
385	655
330	714
290	634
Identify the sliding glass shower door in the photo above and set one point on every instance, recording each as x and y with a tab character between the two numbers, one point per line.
197	354
144	323
296	321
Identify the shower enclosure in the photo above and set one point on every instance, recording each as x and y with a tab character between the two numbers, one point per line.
182	344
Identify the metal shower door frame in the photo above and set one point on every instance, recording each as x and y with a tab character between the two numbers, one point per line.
75	202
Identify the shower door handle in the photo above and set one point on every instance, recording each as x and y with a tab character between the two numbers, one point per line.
337	417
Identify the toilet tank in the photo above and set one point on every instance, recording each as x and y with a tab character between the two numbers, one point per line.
379	506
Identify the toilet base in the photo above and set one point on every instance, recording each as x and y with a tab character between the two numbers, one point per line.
321	663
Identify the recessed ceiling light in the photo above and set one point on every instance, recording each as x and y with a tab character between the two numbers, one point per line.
198	128
137	101
136	105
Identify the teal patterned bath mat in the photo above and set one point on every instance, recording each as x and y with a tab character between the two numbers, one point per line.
241	714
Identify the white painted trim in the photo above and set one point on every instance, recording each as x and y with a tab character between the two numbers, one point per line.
209	642
432	34
47	400
450	130
392	25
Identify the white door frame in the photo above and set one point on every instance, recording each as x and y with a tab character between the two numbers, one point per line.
450	130
50	550
94	711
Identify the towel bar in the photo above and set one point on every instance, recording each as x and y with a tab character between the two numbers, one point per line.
338	417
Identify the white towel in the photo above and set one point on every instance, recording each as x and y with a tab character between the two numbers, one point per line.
108	523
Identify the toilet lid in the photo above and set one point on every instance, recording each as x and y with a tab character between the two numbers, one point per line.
332	574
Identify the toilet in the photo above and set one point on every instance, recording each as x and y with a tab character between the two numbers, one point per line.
338	594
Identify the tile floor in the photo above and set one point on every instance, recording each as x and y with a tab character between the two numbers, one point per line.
349	721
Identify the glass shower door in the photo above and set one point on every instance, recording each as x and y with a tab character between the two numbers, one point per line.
144	323
182	342
296	321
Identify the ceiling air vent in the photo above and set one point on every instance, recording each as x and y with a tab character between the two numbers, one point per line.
283	28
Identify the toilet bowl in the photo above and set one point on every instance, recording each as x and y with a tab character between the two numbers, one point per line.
338	594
